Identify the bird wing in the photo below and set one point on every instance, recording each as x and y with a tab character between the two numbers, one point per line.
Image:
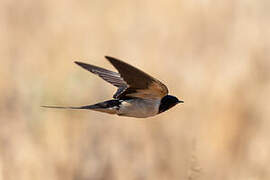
139	84
112	77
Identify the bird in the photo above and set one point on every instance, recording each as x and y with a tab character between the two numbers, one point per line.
138	94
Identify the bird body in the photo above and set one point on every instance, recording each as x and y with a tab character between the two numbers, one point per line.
138	94
140	108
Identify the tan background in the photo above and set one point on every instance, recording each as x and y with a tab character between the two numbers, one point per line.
212	54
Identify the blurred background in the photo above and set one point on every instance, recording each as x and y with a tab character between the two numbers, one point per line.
212	54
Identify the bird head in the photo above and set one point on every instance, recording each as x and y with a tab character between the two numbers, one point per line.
168	102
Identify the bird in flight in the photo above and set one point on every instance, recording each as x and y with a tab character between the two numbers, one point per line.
138	95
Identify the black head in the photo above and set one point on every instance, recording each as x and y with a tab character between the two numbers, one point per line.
168	102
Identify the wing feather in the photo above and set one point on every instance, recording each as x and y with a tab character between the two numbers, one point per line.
112	77
139	83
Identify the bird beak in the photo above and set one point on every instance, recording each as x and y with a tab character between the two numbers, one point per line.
180	101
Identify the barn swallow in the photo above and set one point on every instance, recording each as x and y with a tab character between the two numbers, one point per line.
138	95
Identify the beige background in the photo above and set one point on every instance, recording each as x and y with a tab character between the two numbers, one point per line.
212	54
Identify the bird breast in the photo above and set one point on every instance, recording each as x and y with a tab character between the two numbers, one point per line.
140	108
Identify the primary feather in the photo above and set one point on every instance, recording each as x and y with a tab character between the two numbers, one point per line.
112	77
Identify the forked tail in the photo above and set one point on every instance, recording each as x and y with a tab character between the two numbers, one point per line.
70	107
110	106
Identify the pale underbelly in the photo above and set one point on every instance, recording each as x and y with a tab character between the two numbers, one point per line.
139	108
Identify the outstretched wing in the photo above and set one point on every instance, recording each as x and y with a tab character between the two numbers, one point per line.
112	77
139	84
